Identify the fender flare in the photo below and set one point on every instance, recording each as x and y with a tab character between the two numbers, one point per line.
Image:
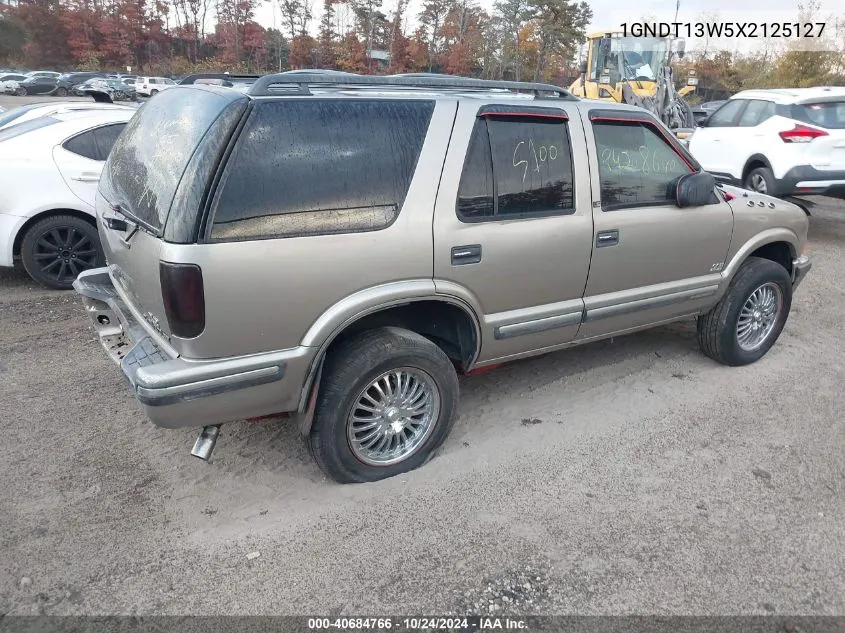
360	304
769	236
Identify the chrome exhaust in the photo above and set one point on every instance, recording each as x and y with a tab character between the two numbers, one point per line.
204	445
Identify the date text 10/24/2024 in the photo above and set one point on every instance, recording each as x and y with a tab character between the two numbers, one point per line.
475	623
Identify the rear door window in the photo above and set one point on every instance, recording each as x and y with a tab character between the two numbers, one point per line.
516	167
756	112
149	159
319	167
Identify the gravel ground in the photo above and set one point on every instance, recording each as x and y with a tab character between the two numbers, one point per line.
630	476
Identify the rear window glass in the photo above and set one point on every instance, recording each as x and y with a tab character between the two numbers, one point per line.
317	167
150	157
830	114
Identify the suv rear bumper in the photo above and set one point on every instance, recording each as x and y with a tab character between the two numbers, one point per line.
179	393
807	180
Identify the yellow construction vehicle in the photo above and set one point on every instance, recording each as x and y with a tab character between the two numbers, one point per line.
637	70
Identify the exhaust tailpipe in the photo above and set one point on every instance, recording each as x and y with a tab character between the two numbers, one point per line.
204	445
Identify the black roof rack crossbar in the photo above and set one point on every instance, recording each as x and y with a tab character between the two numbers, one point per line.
234	77
300	82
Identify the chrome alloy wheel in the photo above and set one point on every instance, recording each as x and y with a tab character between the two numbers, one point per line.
758	316
391	419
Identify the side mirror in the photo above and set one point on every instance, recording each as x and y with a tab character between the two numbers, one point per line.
583	67
695	189
681	47
703	122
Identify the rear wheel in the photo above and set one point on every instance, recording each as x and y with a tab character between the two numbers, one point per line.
153	93
387	400
761	180
55	250
21	91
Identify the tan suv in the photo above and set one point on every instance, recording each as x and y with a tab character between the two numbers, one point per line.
341	247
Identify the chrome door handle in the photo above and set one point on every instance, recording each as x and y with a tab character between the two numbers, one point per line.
607	238
87	178
470	254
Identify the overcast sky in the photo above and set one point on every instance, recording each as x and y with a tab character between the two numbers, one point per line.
607	14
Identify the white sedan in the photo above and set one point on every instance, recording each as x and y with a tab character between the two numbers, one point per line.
35	110
49	171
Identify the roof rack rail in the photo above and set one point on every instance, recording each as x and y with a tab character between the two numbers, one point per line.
300	82
231	77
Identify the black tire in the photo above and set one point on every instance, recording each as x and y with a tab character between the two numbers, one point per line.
74	243
717	329
348	371
61	92
153	93
759	178
21	91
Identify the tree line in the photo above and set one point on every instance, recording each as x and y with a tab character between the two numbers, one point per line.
539	40
519	39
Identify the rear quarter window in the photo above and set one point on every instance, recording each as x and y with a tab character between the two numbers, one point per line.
319	167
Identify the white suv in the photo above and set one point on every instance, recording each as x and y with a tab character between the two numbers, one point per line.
149	86
779	142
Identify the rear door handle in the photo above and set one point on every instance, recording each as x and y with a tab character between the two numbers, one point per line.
87	177
470	254
607	238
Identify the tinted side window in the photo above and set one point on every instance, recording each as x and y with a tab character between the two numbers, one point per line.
756	112
725	116
475	193
516	167
319	167
106	137
637	167
83	144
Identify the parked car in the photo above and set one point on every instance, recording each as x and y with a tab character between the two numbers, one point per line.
34	86
779	142
541	234
43	73
704	110
68	82
109	90
31	111
150	86
49	170
6	80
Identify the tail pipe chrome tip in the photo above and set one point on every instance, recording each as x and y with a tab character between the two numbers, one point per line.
204	445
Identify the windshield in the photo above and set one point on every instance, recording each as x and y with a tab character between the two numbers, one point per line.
630	58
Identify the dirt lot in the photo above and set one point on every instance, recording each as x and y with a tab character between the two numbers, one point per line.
632	476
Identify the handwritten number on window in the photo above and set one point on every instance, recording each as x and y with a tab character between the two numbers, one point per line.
541	154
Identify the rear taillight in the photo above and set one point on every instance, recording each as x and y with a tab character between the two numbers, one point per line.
801	134
184	298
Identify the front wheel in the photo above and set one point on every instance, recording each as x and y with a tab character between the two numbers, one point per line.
748	320
61	92
55	250
387	401
21	91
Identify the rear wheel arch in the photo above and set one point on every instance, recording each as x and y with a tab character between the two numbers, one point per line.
16	244
754	161
448	322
